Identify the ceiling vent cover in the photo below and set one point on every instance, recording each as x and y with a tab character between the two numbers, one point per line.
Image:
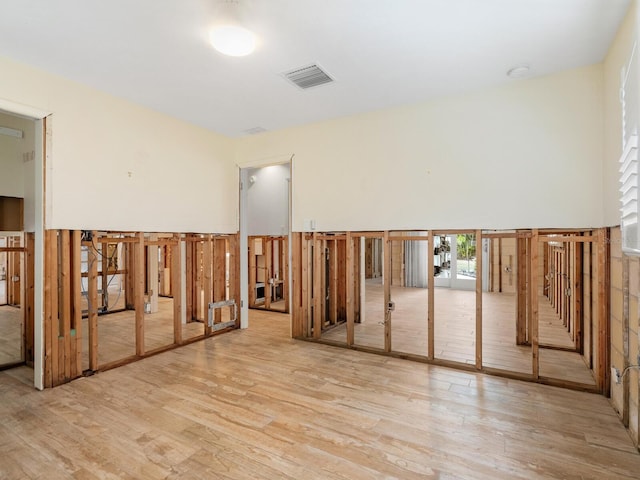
309	76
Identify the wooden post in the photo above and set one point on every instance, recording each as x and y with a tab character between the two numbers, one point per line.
29	316
65	300
176	288
386	279
93	306
499	264
479	299
333	281
219	274
199	269
285	273
268	271
317	287
603	275
190	285
104	273
431	298
76	285
207	281
297	319
139	294
153	284
50	330
54	306
357	279
521	292
350	290
305	293
252	272
234	273
533	302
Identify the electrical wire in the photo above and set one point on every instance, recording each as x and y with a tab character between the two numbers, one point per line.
627	369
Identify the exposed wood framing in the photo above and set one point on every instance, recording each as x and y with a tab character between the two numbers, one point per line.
93	307
521	292
297	317
62	296
351	293
234	274
219	273
76	289
207	282
317	287
332	245
603	274
387	291
29	286
499	265
479	299
431	300
189	279
306	286
139	293
558	262
176	289
533	303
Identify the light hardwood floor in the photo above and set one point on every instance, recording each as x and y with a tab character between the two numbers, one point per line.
10	334
254	404
117	332
455	331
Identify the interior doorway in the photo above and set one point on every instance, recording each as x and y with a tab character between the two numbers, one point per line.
265	227
17	229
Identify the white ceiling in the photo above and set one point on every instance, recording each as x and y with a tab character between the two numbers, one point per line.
382	53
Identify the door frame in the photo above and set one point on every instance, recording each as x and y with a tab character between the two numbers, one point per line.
43	155
243	181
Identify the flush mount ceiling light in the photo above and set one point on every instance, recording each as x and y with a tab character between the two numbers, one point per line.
228	36
519	71
232	40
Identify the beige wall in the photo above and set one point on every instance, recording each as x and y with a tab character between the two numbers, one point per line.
119	166
499	158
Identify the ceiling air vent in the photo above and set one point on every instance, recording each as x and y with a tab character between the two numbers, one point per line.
309	76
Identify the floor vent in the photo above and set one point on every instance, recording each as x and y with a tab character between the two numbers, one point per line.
308	77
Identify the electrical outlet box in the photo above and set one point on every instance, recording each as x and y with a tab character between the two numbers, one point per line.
615	374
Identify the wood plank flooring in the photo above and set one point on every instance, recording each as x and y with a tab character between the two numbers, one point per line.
254	404
455	331
10	334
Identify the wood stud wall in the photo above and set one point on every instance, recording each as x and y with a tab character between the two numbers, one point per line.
547	262
208	268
